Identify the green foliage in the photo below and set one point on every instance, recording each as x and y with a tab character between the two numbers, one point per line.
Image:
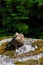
12	11
21	27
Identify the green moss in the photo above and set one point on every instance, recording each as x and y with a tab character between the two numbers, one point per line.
1	52
4	44
40	61
39	43
41	49
5	37
28	62
9	53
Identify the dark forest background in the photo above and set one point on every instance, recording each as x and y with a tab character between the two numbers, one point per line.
23	16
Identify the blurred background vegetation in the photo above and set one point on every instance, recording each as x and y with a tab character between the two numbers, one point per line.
25	16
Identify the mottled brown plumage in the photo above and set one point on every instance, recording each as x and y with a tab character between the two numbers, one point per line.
16	41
